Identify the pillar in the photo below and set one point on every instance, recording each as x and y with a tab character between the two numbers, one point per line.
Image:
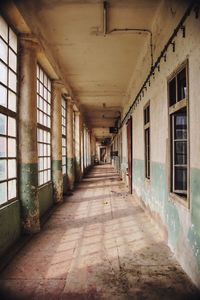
27	134
70	145
77	146
56	141
82	146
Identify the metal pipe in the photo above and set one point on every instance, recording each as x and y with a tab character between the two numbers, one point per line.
162	54
139	31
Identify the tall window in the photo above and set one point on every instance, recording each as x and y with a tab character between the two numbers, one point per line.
44	125
178	102
147	140
8	113
64	133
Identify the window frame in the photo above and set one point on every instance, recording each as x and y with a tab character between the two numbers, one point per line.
147	154
64	136
8	112
42	126
179	195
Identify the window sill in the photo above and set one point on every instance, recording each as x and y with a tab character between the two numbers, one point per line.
178	199
8	203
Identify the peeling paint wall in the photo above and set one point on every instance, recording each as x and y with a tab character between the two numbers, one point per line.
180	225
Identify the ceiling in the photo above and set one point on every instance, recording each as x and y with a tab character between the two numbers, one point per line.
98	68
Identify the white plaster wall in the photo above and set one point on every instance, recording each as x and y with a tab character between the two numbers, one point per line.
186	48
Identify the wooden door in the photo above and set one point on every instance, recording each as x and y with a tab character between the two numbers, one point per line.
129	144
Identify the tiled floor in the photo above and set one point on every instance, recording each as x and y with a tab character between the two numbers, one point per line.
98	245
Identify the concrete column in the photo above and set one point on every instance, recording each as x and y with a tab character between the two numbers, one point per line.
70	145
56	141
82	146
27	134
77	147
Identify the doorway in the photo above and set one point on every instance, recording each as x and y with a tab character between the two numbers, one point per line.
129	144
103	154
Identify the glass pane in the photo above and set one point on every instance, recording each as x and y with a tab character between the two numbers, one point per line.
12	101
3	73
40	165
40	178
12	40
3	124
3	96
49	162
3	169
11	127
181	81
45	163
38	71
64	169
172	92
180	126
12	82
11	147
3	191
12	168
41	89
3	152
45	176
180	178
12	189
3	29
41	75
12	60
181	153
3	51
49	85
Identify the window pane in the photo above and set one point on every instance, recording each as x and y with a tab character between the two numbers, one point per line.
3	192
3	96
12	101
3	152
3	51
3	29
11	127
12	168
11	189
181	153
11	147
12	40
12	83
172	92
180	178
181	81
181	126
3	73
12	60
3	126
3	170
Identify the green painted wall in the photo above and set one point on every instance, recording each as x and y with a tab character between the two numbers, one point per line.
156	196
194	231
65	184
45	196
10	226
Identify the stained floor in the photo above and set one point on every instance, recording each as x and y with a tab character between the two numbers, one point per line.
99	244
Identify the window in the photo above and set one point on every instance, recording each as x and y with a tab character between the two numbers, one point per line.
64	133
44	126
8	113
147	140
178	103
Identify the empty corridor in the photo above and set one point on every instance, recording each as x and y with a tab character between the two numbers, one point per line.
99	244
